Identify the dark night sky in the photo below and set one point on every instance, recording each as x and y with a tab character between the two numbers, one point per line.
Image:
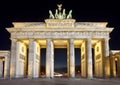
83	10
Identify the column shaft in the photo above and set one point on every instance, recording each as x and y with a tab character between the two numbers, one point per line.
89	59
13	58
31	59
49	59
18	61
1	68
106	69
106	47
7	67
68	59
72	59
39	68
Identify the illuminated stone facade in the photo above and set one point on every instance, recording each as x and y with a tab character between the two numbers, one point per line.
27	38
4	64
36	35
115	63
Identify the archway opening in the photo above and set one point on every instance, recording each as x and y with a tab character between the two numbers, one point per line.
93	61
60	62
116	67
3	68
78	62
42	62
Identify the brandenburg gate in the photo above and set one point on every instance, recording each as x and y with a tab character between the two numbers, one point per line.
59	31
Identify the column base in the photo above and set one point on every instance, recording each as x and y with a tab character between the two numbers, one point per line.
89	78
12	77
49	77
72	77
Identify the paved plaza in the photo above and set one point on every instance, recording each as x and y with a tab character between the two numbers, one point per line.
60	81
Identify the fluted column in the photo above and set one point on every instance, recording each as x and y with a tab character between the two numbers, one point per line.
7	66
18	60
31	59
89	59
1	68
68	59
52	60
49	59
106	47
106	63
13	58
72	59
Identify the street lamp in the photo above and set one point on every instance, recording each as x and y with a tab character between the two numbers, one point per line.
115	59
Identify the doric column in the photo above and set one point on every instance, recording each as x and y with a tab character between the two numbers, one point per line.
13	58
68	59
89	59
31	58
1	68
18	60
106	47
72	59
49	59
106	63
7	66
39	61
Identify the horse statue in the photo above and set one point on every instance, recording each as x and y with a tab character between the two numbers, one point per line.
51	16
69	16
63	14
56	14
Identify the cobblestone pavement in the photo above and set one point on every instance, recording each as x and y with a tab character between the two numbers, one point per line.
59	81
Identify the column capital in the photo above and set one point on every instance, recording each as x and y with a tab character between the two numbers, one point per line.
71	39
50	39
106	38
31	39
14	39
88	39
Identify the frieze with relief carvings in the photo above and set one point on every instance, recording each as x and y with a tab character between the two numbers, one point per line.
98	56
59	35
22	57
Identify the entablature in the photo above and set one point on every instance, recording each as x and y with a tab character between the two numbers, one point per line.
4	53
56	23
60	34
59	29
